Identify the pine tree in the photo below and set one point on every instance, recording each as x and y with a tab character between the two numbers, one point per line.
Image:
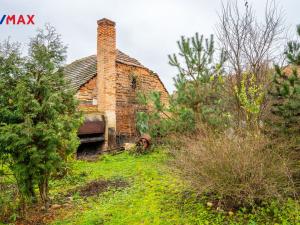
198	96
199	82
286	94
39	125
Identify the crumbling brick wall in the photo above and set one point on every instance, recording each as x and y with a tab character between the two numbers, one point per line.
126	95
111	94
87	96
126	92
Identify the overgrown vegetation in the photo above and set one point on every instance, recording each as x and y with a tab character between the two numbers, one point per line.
153	195
230	155
234	171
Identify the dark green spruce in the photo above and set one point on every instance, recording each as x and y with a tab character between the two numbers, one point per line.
38	113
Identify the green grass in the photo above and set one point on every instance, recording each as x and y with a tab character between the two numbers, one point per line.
154	196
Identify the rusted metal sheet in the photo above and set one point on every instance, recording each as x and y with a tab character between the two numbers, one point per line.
92	127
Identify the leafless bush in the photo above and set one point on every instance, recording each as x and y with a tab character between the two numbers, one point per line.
238	170
252	45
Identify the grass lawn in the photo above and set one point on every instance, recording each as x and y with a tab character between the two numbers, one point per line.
142	190
154	195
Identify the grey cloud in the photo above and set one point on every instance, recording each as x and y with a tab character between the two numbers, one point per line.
146	30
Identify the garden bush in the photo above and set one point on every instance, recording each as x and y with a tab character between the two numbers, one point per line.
235	170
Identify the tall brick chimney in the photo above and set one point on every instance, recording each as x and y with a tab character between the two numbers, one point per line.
106	76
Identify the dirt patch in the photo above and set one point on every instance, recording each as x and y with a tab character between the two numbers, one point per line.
99	186
36	215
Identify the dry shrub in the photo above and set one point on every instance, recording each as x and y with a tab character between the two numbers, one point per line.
237	170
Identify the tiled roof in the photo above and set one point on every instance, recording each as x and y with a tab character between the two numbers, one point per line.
123	58
82	70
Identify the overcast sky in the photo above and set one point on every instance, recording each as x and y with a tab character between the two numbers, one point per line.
146	29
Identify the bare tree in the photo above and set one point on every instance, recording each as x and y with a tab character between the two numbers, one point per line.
251	46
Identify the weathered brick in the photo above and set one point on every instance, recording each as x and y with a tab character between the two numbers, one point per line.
112	88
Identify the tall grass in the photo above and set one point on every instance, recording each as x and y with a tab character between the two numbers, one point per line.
236	170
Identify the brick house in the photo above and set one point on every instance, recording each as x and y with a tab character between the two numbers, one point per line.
106	86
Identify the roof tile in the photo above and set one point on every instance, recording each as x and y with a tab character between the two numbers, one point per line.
81	71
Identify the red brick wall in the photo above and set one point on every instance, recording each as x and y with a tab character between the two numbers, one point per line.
127	106
87	96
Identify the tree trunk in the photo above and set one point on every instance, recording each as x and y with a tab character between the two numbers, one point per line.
43	188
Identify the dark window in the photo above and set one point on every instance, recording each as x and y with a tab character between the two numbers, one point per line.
133	82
